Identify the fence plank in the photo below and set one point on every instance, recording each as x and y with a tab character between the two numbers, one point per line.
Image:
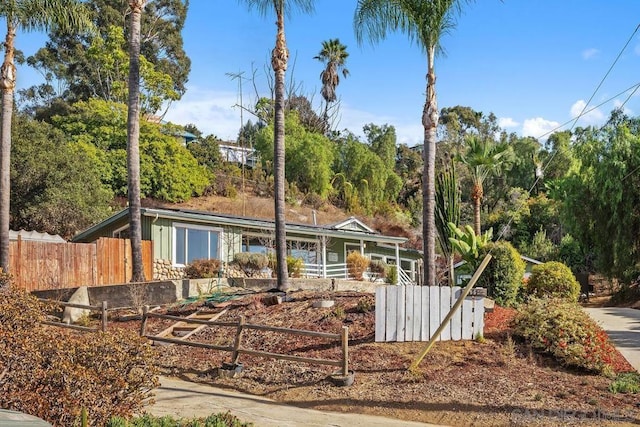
424	311
467	318
400	314
392	306
445	306
381	301
434	309
456	320
478	317
417	312
408	313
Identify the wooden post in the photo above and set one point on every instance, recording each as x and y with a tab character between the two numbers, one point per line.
143	325
345	350
455	308
104	316
236	345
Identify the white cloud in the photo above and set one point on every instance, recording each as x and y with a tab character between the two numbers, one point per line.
590	53
617	104
212	112
538	127
507	122
590	116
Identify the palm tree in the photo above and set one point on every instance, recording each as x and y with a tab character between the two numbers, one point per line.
334	54
25	15
133	146
483	157
279	60
424	22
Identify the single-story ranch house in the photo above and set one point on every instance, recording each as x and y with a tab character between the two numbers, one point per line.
181	236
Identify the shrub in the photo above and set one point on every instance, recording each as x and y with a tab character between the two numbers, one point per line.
295	266
503	276
223	419
553	279
365	305
626	382
203	269
565	331
392	275
357	264
251	263
5	278
379	268
105	373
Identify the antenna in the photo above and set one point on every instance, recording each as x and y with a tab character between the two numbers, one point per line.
243	154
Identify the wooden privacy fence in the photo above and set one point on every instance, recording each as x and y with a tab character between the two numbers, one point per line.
236	349
36	266
413	313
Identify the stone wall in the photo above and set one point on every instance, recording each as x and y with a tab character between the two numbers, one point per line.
163	269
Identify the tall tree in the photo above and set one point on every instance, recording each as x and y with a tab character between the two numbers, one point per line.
27	15
483	157
75	75
334	55
424	22
133	139
279	61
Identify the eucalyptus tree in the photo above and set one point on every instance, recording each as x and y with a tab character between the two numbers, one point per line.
279	61
334	55
25	15
424	22
483	157
133	142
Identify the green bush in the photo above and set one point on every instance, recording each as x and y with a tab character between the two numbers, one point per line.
295	266
626	382
203	269
105	373
564	330
226	419
503	276
392	275
553	279
357	264
251	263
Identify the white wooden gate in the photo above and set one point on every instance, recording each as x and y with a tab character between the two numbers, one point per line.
413	313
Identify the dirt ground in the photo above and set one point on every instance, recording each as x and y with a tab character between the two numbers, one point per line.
490	382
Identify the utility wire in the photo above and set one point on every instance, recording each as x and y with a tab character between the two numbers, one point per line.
575	120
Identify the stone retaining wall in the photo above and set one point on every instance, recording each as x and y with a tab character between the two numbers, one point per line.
163	269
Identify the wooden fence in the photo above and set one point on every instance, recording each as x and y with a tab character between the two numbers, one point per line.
236	349
413	313
38	266
102	308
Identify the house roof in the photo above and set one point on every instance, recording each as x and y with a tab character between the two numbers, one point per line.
35	236
351	228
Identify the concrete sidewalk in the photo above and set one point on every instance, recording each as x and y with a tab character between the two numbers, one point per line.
186	399
623	327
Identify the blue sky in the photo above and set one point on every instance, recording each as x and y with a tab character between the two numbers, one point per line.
534	64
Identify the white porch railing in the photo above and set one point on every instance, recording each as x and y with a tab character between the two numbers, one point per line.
340	271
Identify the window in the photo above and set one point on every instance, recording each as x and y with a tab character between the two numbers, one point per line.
193	242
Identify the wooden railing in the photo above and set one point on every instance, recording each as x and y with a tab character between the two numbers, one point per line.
236	349
102	308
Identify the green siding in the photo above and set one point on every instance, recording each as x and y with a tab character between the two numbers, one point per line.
161	233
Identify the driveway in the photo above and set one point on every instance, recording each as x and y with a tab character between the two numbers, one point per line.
623	327
186	399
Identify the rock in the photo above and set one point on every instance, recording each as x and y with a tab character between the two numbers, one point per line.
72	314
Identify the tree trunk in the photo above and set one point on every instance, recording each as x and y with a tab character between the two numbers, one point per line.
133	146
476	215
279	59
7	85
430	122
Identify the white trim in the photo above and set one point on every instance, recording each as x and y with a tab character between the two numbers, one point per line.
353	220
190	226
119	230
